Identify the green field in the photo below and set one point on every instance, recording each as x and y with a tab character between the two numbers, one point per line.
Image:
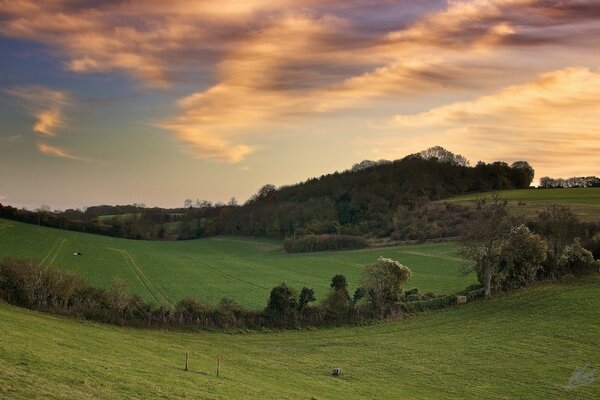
585	202
209	269
524	345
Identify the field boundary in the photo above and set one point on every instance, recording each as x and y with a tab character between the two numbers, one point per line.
154	291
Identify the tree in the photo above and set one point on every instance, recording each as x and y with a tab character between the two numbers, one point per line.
558	225
282	303
338	302
442	155
484	243
384	281
307	296
338	282
522	256
523	174
187	203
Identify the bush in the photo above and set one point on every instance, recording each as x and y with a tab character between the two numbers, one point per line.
283	304
426	305
577	260
325	242
593	245
384	282
522	256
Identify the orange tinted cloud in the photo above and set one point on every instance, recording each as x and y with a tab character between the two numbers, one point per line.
276	60
55	151
45	105
552	121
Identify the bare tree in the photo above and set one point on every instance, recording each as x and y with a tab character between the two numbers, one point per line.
484	243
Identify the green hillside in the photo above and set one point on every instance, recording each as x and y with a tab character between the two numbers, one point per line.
523	345
585	202
209	269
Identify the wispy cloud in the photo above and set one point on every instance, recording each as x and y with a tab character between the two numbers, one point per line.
46	106
13	138
55	151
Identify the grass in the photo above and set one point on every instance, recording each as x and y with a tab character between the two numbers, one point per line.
209	269
585	202
522	345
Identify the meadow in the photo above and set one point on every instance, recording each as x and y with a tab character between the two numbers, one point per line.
585	202
243	269
525	344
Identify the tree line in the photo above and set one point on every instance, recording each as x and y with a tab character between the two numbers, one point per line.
362	201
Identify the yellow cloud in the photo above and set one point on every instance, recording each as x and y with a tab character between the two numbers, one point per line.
552	121
45	105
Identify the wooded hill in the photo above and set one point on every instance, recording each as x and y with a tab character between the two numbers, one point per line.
363	200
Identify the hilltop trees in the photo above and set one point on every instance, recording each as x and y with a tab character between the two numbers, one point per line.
442	155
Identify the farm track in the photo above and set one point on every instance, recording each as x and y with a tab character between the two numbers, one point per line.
5	225
54	251
217	271
154	291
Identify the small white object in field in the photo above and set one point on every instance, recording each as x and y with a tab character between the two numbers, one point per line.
461	299
336	372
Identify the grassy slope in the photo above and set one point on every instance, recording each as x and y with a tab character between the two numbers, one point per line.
523	345
585	202
243	269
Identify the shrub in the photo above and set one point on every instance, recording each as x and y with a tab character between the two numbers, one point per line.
426	305
306	296
593	245
577	260
521	258
338	302
283	304
325	242
384	281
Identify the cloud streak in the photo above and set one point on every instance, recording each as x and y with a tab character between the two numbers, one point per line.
55	151
46	106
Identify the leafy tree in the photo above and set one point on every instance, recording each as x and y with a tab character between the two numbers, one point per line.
338	302
522	256
523	173
384	281
282	303
338	282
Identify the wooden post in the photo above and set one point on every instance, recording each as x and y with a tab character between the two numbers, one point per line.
218	366
187	356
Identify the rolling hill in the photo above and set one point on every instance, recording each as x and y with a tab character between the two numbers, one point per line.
525	345
240	268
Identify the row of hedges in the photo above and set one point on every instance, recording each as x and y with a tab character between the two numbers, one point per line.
27	284
324	242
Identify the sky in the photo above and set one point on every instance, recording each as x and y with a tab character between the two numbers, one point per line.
122	101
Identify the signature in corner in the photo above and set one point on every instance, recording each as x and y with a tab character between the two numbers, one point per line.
582	376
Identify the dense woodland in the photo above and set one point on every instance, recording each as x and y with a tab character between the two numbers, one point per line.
372	199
